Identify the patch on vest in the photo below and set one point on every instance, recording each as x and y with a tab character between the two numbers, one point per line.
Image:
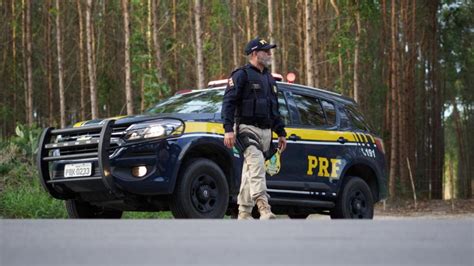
230	82
273	165
275	89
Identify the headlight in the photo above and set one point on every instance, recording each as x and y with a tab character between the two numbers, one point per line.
154	129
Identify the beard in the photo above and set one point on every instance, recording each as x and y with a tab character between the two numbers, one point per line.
265	60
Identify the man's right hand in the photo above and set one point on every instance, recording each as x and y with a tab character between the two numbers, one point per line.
229	139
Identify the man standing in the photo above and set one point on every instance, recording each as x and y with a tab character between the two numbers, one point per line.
250	109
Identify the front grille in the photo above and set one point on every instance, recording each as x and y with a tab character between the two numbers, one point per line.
81	143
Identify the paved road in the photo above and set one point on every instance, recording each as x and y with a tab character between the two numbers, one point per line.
231	242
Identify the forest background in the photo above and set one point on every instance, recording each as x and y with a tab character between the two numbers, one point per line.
408	64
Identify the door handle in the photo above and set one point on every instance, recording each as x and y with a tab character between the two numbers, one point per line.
294	137
342	140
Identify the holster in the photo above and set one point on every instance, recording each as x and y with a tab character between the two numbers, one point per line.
247	139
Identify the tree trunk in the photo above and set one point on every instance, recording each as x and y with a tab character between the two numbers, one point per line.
90	61
49	64
393	88
315	45
14	64
235	50
356	53
199	52
254	17
270	33
59	45
300	32
128	73
29	67
284	34
156	41
175	51
248	22
308	44
81	60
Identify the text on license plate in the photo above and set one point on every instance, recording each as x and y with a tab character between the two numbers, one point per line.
77	169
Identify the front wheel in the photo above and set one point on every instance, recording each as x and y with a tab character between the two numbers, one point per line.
80	209
355	201
201	191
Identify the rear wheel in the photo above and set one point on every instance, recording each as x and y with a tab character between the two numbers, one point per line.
80	209
355	201
201	191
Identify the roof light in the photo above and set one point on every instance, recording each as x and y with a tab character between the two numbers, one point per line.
291	77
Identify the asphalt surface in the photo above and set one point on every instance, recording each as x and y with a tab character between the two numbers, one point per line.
231	242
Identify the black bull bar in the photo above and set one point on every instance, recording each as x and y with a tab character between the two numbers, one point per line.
102	154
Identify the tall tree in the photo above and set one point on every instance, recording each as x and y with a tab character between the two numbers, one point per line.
90	61
393	90
199	50
339	45
271	32
156	40
127	64
49	62
29	67
235	50
308	44
59	45
81	59
357	51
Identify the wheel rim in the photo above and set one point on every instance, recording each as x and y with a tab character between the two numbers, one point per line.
204	193
358	205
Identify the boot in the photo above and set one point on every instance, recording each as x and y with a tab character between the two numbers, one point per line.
244	216
264	209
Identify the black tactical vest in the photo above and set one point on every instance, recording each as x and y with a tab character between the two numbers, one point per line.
259	98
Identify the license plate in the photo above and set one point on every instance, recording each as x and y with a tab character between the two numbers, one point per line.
77	169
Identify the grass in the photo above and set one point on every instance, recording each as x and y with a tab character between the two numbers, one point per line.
23	197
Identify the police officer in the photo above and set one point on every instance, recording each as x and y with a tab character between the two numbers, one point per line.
250	114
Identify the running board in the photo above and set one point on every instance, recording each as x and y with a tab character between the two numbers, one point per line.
302	202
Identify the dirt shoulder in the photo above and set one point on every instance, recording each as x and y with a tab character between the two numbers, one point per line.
426	209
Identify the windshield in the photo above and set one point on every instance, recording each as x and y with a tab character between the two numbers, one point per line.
206	101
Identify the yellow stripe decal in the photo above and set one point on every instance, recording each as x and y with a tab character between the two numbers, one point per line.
204	127
305	134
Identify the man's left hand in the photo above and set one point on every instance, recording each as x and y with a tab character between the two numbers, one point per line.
281	144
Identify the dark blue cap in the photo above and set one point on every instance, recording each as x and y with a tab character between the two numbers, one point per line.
258	44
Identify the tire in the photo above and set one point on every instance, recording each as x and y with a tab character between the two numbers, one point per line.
80	209
201	191
355	202
298	216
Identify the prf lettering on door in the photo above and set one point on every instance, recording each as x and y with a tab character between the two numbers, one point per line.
325	167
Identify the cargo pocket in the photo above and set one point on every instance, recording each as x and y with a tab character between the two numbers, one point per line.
247	108
261	108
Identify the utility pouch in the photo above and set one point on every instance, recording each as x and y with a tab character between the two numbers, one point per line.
248	108
261	107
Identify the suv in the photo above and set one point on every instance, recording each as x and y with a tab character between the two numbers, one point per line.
173	158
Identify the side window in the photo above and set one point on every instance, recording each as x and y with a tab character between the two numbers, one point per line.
310	110
357	119
344	120
330	111
283	108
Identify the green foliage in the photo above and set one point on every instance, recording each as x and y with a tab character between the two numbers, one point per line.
21	194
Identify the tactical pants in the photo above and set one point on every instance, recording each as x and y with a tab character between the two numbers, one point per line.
253	183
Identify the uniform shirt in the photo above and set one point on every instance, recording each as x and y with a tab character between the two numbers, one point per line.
233	99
